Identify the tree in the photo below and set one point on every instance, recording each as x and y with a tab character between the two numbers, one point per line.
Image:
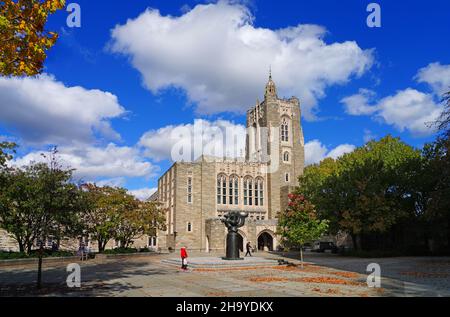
311	185
39	201
443	123
436	179
7	149
104	211
140	219
299	223
112	213
365	192
23	37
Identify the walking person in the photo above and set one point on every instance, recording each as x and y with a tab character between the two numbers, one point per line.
184	256
248	246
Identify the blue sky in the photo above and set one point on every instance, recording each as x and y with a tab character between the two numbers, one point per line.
113	90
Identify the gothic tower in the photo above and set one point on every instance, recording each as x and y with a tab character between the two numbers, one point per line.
275	136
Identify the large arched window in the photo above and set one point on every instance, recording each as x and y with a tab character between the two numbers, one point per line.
221	189
285	130
248	191
233	198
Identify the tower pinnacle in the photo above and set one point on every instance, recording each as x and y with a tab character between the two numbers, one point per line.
271	89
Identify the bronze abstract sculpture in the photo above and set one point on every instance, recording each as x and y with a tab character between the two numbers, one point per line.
233	221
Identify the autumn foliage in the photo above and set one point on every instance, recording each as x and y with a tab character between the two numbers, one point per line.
24	41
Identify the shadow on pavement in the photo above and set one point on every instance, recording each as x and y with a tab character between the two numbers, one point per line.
401	276
97	279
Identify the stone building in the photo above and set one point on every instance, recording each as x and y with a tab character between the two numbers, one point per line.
196	194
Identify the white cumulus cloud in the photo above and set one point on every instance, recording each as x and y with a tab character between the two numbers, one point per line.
219	138
315	151
221	60
437	76
143	193
408	109
43	110
358	104
108	165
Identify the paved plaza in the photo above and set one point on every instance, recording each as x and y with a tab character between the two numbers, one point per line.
158	275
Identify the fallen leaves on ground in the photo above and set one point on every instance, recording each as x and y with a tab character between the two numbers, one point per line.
330	291
290	268
317	280
250	268
345	274
269	279
298	268
326	280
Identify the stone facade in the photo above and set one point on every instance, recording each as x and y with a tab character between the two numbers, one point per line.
196	194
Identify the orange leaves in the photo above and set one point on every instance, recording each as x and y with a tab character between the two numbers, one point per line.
23	37
315	280
327	280
329	291
268	279
345	274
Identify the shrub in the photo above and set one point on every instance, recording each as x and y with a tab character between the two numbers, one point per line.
121	251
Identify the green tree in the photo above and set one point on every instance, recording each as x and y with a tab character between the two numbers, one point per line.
299	223
443	122
39	201
104	211
142	218
367	191
311	185
7	150
435	178
24	41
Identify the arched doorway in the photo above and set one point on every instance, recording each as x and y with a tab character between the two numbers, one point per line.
265	242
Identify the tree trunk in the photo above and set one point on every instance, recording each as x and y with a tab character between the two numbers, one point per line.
301	255
39	278
448	234
100	242
355	247
102	245
29	247
21	246
358	239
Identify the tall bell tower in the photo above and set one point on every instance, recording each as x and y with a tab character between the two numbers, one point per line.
275	136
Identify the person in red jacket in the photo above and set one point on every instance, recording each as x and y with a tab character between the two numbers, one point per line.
184	256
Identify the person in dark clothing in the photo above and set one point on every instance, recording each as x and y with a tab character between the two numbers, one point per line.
248	246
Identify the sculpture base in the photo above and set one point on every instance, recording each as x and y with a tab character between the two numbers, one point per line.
232	259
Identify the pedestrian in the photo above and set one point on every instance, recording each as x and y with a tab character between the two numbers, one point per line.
248	246
184	256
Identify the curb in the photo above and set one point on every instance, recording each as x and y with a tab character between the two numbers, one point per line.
14	262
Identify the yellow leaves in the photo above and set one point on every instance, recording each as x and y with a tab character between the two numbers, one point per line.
23	37
22	25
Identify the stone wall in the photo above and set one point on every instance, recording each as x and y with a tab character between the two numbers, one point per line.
7	242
